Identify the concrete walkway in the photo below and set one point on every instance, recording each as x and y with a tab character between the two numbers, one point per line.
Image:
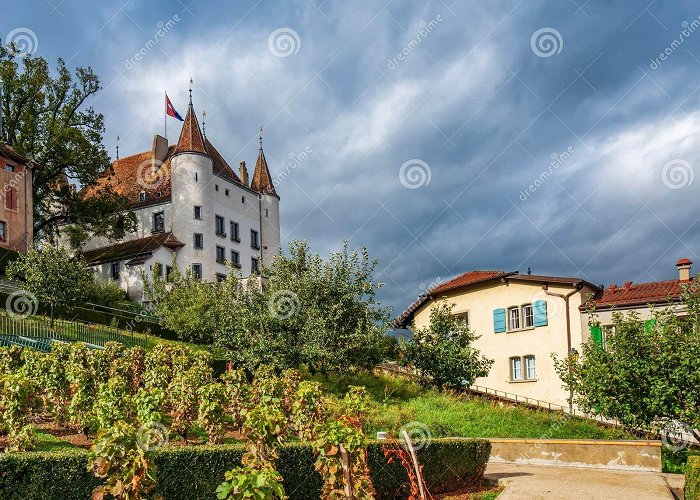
546	481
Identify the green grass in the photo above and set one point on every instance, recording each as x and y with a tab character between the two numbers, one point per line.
47	442
396	401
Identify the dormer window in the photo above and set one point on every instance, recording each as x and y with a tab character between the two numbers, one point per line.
142	196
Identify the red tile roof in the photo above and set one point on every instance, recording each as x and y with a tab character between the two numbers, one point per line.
468	278
262	180
9	152
642	294
191	138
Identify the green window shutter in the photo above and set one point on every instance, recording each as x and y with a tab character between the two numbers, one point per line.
499	320
649	325
597	334
540	311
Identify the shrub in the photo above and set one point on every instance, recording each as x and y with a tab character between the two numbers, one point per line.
194	472
692	478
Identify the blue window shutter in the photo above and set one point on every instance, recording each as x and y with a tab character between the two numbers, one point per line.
540	311
499	320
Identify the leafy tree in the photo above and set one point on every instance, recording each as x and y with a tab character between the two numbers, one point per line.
647	374
443	352
212	411
53	276
45	118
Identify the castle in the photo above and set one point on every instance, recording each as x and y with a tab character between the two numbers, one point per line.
189	203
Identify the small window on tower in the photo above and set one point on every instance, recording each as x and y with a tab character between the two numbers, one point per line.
142	196
196	177
227	192
242	199
198	241
216	187
267	213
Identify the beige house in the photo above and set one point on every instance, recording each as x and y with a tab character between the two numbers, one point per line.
521	319
641	298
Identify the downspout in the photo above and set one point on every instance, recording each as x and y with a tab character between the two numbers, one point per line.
577	288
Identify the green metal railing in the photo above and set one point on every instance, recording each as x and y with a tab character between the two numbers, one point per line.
76	331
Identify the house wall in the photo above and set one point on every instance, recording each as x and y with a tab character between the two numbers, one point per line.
18	221
480	302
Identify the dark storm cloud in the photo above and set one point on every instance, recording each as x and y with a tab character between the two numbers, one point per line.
469	97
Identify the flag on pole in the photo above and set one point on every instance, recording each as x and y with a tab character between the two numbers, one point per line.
170	109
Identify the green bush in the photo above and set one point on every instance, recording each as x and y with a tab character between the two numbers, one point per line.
692	478
195	472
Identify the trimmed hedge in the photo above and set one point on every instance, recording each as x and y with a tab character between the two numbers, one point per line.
692	478
194	472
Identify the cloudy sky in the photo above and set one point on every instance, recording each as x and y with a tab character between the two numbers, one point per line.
559	135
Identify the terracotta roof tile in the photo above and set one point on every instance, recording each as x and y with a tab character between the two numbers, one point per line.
262	180
642	294
468	278
219	165
191	138
139	249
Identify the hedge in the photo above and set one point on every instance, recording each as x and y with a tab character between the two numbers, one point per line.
692	478
194	472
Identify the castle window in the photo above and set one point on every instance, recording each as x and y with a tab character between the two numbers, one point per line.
220	277
196	177
158	222
197	212
116	271
219	226
197	271
243	199
254	265
3	231
254	239
198	241
216	187
220	254
168	271
227	192
142	196
267	213
235	258
234	232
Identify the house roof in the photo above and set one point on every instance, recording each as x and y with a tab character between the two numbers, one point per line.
138	251
262	180
641	294
476	277
8	152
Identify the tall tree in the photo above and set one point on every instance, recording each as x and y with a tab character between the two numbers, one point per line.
46	118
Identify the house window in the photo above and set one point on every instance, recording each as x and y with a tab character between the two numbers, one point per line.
219	226
463	318
235	258
220	277
115	271
158	222
142	196
528	316
10	198
227	192
254	265
197	271
216	187
3	231
158	269
9	168
168	271
607	332
198	241
516	368
254	240
234	232
197	212
514	318
220	254
530	371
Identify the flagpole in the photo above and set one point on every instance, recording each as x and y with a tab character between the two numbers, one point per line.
165	115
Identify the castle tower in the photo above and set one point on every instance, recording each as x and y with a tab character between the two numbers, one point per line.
269	208
192	174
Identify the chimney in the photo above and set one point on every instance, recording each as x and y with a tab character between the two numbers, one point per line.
628	284
244	174
159	150
683	267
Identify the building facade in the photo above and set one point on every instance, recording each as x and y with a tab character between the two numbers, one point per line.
521	319
192	206
16	209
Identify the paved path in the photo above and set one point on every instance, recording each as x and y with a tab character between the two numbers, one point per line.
546	481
